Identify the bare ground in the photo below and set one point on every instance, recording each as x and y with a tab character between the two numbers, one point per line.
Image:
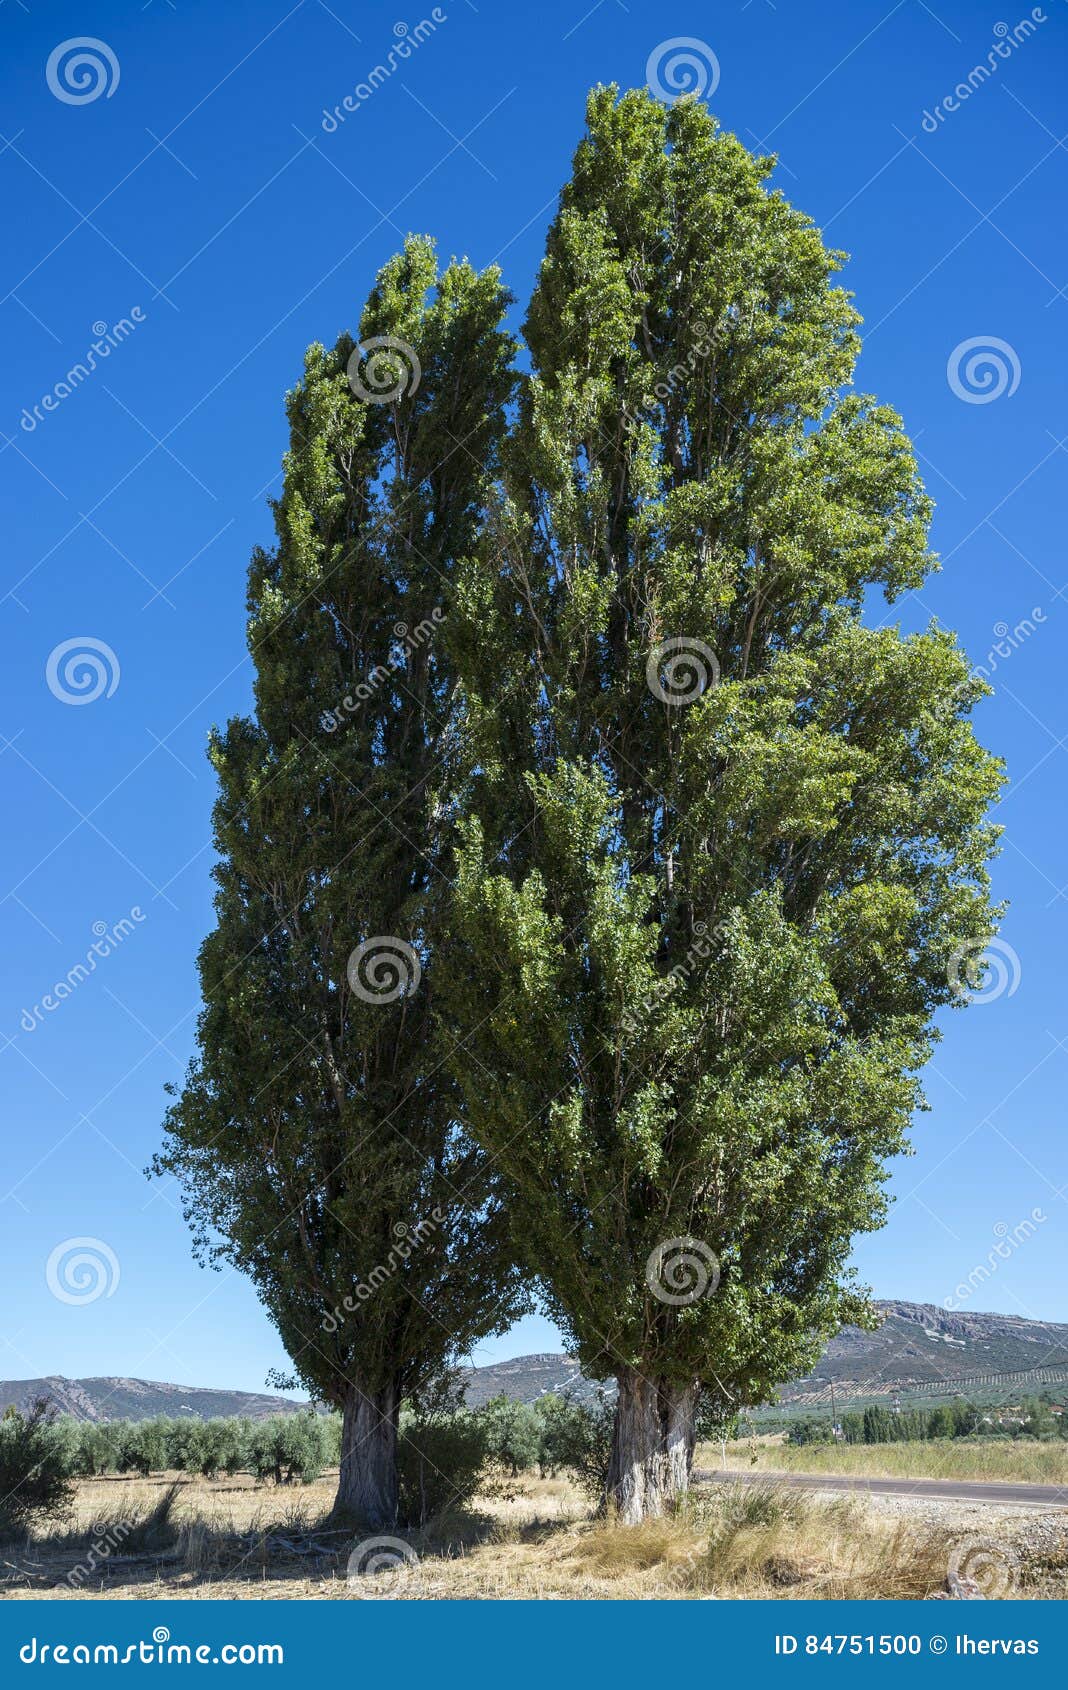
530	1538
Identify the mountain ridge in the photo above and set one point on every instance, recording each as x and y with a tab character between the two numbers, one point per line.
119	1397
918	1349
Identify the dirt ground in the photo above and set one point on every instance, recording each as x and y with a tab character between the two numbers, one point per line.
528	1538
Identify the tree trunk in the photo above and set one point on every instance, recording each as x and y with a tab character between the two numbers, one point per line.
367	1482
652	1446
679	1419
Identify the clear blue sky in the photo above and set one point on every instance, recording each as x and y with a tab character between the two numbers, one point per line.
204	191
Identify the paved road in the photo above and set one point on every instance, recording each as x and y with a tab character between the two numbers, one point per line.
946	1490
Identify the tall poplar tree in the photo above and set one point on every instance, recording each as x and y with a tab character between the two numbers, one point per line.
727	851
316	1137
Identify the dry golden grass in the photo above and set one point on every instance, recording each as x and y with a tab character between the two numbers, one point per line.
765	1542
532	1539
1012	1463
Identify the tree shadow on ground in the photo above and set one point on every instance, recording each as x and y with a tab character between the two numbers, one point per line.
167	1554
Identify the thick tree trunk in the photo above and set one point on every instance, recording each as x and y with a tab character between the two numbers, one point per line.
367	1482
652	1446
633	1489
679	1419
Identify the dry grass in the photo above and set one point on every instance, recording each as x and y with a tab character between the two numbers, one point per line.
1020	1462
231	1538
767	1542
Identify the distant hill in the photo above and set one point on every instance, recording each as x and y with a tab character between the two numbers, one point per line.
921	1349
918	1350
526	1378
140	1399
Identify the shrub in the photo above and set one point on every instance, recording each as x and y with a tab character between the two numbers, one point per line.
577	1437
301	1441
185	1445
807	1432
222	1448
288	1448
513	1433
142	1446
440	1458
261	1457
97	1449
35	1477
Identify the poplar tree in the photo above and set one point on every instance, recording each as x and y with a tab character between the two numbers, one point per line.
316	1137
726	851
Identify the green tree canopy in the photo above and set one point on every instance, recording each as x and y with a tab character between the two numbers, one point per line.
317	1136
727	837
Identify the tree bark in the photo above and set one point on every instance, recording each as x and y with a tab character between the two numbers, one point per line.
652	1446
679	1419
367	1481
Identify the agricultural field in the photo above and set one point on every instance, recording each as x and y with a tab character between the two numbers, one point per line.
528	1537
1014	1461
